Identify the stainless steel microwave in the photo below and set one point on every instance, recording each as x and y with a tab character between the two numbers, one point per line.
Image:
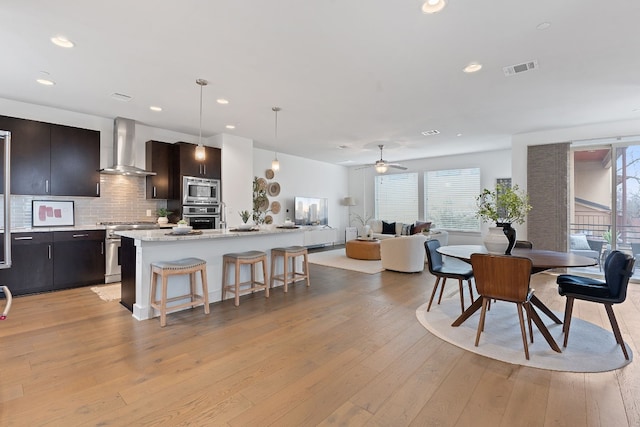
200	191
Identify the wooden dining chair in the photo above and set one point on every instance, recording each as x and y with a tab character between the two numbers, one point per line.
504	278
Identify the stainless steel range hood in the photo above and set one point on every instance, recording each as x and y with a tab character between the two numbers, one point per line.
123	155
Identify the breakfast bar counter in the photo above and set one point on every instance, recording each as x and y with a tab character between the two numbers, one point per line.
142	247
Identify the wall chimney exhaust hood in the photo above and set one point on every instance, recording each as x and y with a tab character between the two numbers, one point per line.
123	155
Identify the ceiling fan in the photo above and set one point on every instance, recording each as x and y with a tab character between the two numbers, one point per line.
382	165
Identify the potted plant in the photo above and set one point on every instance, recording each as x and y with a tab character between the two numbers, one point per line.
163	214
505	205
245	215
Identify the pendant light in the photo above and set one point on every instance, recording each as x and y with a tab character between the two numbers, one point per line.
275	164
200	151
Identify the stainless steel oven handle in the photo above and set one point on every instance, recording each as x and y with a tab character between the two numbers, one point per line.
23	238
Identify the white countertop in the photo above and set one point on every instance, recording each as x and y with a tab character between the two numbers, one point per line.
164	235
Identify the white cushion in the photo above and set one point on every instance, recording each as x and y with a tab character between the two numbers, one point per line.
376	225
579	241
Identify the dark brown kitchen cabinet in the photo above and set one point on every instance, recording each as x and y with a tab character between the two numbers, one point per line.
30	155
32	263
75	161
210	167
53	160
160	157
78	258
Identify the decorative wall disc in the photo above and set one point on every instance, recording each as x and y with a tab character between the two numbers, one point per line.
263	204
262	184
268	219
269	173
273	189
275	207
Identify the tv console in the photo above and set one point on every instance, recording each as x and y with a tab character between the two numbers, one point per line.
319	236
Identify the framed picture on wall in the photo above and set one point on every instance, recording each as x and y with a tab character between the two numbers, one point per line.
52	213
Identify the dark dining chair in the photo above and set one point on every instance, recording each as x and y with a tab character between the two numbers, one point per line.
618	267
504	278
454	270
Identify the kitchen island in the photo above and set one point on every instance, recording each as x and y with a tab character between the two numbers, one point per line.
142	247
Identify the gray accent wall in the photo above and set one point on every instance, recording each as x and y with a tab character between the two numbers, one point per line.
548	188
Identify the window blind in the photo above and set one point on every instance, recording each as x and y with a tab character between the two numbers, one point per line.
450	198
397	197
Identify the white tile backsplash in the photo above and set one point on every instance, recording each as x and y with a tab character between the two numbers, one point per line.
122	198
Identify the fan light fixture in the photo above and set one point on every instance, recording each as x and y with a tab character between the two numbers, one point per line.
381	167
433	6
275	164
200	151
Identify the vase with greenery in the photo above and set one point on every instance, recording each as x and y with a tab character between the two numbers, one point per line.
504	206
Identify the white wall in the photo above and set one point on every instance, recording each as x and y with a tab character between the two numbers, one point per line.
309	178
492	164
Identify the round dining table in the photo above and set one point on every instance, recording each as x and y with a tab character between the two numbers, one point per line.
541	260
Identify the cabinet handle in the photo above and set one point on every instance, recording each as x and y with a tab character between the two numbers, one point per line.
23	238
46	186
154	191
49	249
80	235
204	168
97	188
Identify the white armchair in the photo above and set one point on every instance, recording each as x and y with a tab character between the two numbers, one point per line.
404	253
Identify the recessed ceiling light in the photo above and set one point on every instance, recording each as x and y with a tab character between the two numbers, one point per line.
430	132
222	101
230	126
472	67
46	82
62	41
433	6
342	147
154	108
459	134
543	26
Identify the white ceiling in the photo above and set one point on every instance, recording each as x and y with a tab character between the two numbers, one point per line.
345	72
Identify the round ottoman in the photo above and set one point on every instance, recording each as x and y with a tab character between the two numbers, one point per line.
363	249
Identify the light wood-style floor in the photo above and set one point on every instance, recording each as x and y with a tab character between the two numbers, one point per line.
347	351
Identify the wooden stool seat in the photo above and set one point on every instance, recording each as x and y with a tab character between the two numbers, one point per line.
290	252
173	268
238	259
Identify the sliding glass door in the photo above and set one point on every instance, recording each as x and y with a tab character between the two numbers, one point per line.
606	197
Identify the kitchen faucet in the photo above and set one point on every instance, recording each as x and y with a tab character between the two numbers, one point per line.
223	215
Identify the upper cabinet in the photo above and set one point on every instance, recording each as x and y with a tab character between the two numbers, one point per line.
210	167
159	158
53	160
75	161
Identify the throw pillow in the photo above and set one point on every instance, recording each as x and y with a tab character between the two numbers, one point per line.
419	227
579	242
388	228
406	229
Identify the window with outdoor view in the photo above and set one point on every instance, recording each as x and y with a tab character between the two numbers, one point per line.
450	198
397	197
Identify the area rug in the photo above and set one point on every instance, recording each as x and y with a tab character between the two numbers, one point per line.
590	347
338	259
108	292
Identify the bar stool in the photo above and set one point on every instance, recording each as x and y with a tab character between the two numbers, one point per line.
290	252
238	259
173	268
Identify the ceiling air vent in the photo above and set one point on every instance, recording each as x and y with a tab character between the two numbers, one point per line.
121	97
430	132
520	68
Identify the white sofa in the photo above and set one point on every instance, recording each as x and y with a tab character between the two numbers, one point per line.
403	253
376	227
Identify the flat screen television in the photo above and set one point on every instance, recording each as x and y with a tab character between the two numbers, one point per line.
310	211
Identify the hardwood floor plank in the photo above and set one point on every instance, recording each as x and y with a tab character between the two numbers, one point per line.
346	351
